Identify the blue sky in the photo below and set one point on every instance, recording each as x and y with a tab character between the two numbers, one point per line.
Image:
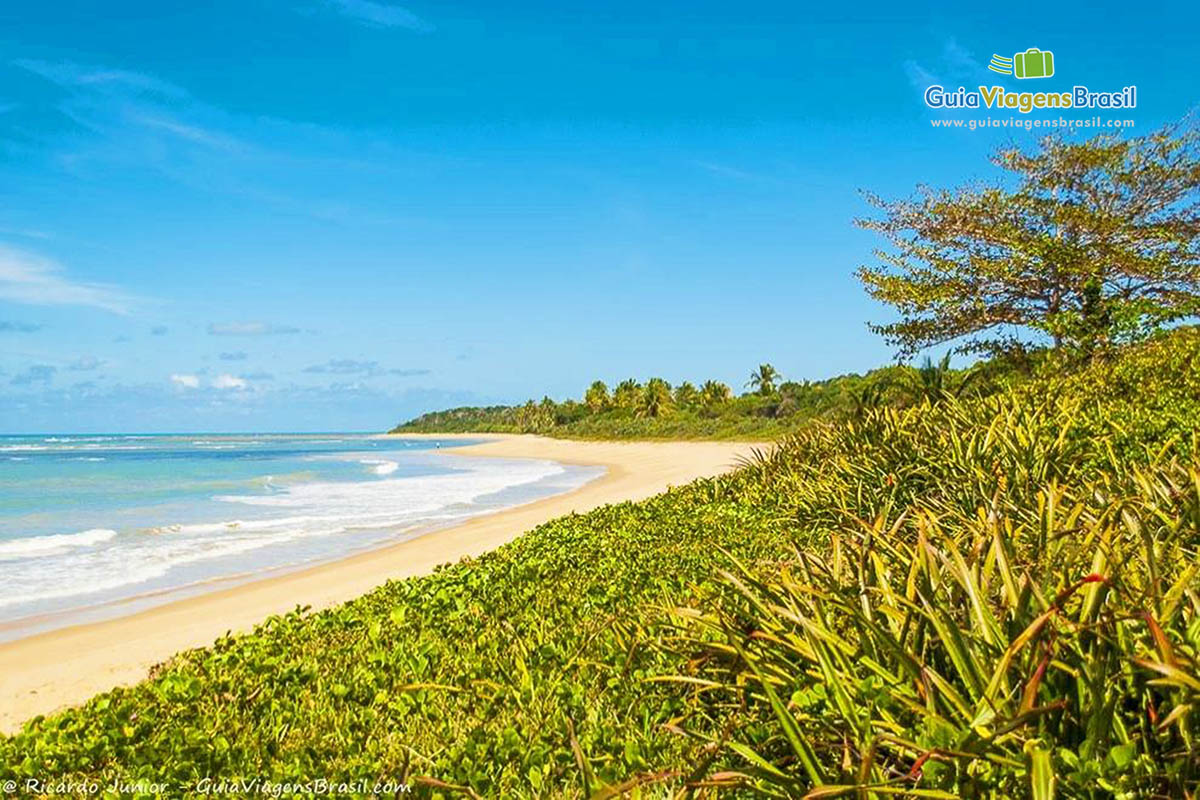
332	214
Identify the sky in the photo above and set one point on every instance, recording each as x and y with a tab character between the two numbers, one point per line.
301	215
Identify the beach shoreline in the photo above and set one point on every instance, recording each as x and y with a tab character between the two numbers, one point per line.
66	666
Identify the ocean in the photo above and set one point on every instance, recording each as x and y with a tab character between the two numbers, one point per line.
94	526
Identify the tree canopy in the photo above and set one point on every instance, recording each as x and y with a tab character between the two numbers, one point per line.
1097	243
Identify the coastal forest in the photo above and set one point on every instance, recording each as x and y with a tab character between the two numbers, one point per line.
931	582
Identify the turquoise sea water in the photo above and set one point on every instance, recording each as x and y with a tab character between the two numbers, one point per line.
94	525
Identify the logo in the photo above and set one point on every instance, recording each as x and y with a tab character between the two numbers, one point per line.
1033	63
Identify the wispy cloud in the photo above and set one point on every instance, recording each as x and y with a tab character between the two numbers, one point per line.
253	328
191	133
137	123
168	405
37	373
35	280
24	233
237	355
959	59
186	381
384	15
345	366
367	369
727	171
67	73
919	77
227	381
141	121
18	327
955	62
84	364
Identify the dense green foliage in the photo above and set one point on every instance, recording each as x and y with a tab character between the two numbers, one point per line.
479	674
985	597
1008	601
768	410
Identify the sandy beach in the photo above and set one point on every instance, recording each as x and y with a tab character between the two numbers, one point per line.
48	671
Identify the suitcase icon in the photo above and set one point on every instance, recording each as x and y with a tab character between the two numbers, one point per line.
1033	63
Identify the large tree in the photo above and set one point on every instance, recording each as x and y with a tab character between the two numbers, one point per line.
1089	243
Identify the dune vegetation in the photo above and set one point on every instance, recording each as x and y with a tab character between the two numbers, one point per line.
991	596
937	583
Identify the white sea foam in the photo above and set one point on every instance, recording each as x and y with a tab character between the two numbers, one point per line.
66	447
48	545
380	466
289	525
402	496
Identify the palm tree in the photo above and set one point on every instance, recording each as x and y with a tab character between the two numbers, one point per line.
933	379
792	397
935	382
763	380
536	417
686	395
596	398
714	393
869	395
656	399
626	393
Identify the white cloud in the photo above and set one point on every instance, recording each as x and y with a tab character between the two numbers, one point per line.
227	381
186	381
35	280
384	15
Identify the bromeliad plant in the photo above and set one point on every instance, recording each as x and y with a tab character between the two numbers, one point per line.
1027	649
